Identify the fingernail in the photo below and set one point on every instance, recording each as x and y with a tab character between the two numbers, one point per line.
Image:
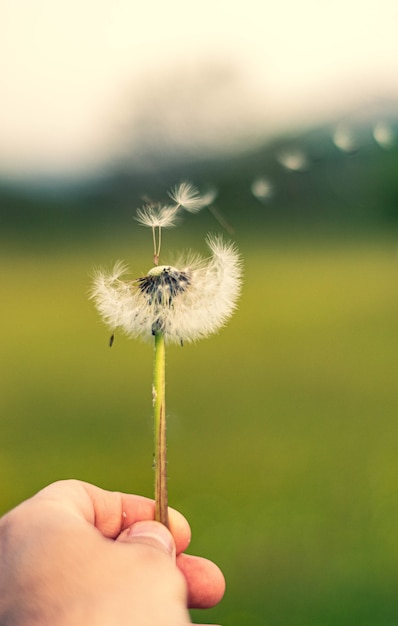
154	534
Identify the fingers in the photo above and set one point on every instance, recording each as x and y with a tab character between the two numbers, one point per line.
130	518
115	511
152	534
206	583
110	511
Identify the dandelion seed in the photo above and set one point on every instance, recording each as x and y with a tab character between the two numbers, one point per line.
294	159
207	198
383	134
187	196
262	189
157	217
344	139
185	301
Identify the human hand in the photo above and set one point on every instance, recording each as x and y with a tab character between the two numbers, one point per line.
76	555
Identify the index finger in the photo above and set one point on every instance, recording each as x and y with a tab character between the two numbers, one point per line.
111	511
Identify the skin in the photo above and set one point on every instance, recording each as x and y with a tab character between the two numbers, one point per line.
76	555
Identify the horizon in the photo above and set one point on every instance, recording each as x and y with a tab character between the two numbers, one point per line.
89	85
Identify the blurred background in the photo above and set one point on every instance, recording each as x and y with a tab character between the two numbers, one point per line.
283	431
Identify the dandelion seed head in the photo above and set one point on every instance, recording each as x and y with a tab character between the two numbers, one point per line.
187	301
162	284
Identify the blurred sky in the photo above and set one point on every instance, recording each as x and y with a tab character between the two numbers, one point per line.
84	81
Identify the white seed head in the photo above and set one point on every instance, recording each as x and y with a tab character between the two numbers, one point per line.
187	196
187	301
160	216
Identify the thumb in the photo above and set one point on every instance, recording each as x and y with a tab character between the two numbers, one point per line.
150	533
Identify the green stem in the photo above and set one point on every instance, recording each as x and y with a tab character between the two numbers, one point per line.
159	408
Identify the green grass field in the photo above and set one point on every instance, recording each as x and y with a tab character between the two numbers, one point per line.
283	429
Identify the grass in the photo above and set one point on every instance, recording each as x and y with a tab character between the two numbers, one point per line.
283	430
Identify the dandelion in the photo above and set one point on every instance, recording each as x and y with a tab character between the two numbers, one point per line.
186	301
180	302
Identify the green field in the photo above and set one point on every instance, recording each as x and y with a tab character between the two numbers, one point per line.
283	429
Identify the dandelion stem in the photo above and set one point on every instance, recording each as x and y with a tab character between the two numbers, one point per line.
155	255
159	243
159	405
